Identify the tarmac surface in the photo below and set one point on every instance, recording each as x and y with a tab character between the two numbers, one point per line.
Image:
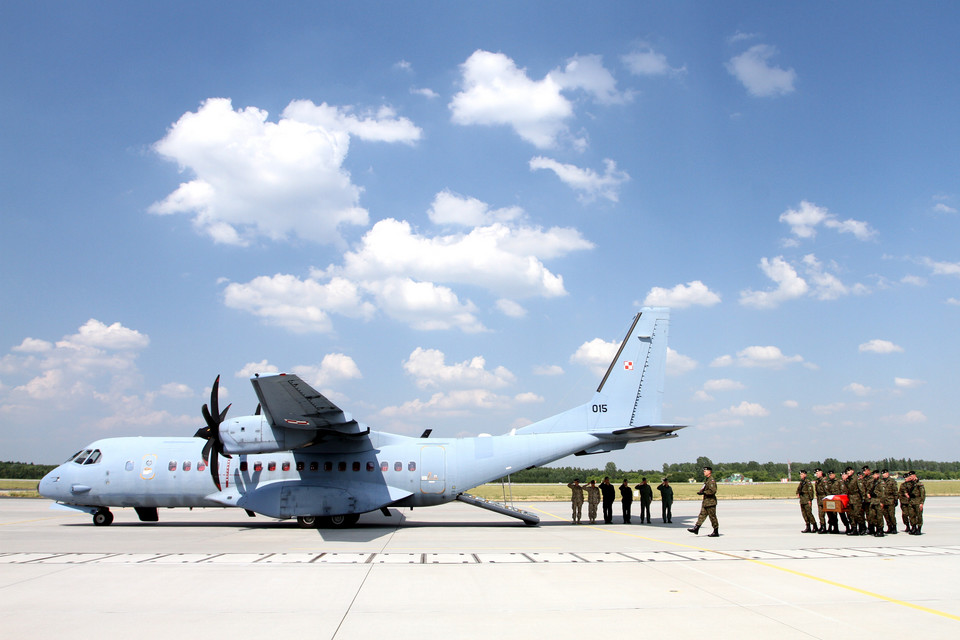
463	572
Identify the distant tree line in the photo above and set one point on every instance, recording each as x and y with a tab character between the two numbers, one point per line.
24	470
756	471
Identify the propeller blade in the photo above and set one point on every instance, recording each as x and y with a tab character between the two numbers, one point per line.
215	397
215	468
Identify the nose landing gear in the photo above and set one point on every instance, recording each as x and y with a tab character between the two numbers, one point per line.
102	517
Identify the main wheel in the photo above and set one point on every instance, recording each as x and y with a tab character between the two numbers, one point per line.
339	522
308	522
102	517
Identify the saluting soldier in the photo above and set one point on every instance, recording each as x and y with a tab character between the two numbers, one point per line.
593	499
906	509
708	508
917	497
876	493
576	499
835	487
890	501
805	492
820	485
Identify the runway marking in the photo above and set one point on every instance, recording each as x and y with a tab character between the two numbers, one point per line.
731	554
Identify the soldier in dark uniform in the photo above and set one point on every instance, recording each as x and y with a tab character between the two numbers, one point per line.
626	501
835	487
646	497
609	496
805	493
820	485
708	508
666	500
890	501
917	497
576	499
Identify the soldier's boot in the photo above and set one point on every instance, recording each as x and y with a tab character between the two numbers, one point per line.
823	528
916	530
715	534
862	529
879	532
892	529
807	530
695	529
870	529
851	529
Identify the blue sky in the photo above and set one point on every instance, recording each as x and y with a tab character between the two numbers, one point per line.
444	215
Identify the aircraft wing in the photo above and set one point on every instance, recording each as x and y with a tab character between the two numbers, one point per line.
290	403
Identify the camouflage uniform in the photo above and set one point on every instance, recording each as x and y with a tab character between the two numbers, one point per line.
876	493
708	508
890	503
820	484
906	509
917	497
805	492
576	501
852	488
593	499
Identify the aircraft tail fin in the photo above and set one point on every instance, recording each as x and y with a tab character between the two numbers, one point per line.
627	404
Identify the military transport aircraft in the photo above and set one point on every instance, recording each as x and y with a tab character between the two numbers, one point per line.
303	457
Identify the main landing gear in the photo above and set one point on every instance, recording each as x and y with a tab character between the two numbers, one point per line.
102	517
328	522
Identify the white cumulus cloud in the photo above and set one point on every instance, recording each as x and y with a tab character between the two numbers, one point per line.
880	346
761	79
255	178
682	296
588	183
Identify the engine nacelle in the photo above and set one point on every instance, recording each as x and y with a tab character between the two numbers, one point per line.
253	434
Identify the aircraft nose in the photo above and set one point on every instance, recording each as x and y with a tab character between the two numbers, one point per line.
48	485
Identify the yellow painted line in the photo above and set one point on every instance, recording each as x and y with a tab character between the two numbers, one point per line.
879	596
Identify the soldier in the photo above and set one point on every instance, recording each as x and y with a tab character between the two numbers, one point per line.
820	485
834	488
805	493
917	497
876	494
890	501
576	499
904	494
646	497
609	496
708	507
626	501
666	500
852	489
593	499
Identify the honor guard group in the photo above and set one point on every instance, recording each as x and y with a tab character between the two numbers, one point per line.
865	502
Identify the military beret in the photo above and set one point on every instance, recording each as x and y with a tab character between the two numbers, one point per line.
911	473
886	471
708	468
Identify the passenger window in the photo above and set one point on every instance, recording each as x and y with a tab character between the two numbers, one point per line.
201	466
186	465
172	466
356	465
384	466
314	466
300	465
341	466
257	467
243	465
272	466
285	466
398	466
328	466
371	466
412	466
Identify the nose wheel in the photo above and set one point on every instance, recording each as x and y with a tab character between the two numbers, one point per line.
102	517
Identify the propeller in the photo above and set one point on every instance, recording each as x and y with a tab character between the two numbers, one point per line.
214	447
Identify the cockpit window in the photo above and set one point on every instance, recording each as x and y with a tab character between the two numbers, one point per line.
80	457
94	457
73	457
